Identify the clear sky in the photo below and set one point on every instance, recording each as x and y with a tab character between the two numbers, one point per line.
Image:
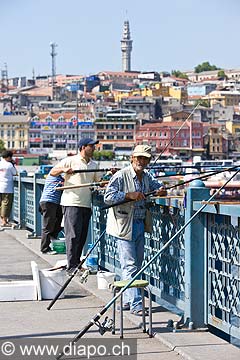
166	34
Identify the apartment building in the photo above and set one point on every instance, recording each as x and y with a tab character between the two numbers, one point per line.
116	131
14	131
62	131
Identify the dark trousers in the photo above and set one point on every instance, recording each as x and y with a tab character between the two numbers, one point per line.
76	221
51	223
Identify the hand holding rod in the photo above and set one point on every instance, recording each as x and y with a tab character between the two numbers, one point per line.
97	316
125	201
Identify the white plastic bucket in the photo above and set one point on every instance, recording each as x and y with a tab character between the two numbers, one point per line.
51	281
104	279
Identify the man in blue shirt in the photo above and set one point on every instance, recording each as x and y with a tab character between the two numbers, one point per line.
128	222
51	211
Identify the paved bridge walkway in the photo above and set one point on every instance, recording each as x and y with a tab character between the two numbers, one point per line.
69	315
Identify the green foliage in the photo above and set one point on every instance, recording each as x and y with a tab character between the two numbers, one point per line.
179	74
221	75
205	66
2	147
103	155
202	102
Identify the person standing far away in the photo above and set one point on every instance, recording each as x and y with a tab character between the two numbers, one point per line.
128	222
7	172
77	202
51	210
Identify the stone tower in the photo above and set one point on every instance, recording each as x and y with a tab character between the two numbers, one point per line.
126	47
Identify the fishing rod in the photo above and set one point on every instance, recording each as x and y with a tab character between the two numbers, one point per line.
96	317
151	167
94	170
186	167
171	187
78	268
99	183
233	168
180	128
159	155
183	174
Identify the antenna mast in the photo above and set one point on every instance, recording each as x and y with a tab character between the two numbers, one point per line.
53	55
4	80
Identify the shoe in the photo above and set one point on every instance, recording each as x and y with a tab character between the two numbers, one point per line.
49	252
8	225
125	307
139	312
70	271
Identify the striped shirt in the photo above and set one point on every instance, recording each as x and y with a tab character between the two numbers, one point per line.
50	194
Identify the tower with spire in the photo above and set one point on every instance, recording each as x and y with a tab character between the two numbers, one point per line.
126	47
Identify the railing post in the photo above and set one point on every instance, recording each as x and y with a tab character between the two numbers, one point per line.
21	200
194	257
37	195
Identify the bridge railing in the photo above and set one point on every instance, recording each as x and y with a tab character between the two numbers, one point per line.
27	193
199	273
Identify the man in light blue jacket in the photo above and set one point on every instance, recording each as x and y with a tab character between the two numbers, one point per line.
127	222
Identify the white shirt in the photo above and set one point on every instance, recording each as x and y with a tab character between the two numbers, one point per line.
81	196
7	171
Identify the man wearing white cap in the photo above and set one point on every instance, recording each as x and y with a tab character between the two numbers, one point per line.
127	222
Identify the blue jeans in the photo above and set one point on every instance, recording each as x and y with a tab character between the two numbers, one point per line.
131	254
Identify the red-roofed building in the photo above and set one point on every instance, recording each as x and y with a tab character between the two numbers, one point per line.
188	141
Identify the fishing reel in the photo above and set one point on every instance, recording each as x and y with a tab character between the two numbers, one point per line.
84	276
107	325
150	204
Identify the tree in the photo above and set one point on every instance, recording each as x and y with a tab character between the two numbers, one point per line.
103	155
179	74
221	75
2	147
202	102
205	66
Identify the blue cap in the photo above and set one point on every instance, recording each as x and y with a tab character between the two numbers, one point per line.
87	141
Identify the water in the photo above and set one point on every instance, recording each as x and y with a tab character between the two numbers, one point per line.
92	260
